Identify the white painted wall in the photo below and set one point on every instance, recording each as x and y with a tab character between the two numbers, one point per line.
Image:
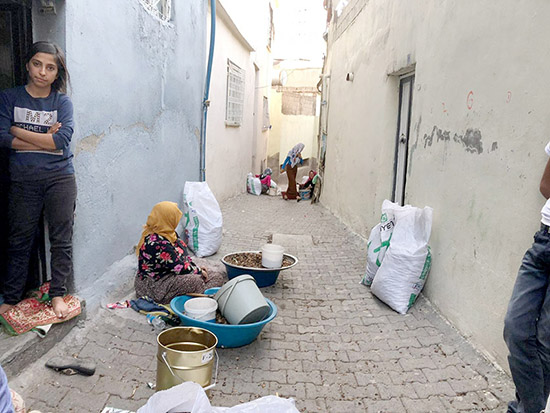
288	130
484	193
256	31
229	149
137	89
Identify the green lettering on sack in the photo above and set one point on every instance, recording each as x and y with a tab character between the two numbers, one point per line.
196	234
412	299
382	245
384	217
427	264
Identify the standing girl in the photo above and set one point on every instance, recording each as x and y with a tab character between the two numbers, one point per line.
36	123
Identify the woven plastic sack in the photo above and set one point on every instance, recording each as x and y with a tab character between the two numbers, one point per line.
406	264
203	219
253	184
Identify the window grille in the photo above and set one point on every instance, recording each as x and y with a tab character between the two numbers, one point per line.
299	103
161	9
235	95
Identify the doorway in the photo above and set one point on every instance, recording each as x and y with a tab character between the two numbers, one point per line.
406	84
15	40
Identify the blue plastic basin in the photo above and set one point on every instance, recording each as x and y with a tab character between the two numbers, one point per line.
229	335
264	277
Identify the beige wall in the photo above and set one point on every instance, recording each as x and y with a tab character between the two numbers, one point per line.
484	193
288	130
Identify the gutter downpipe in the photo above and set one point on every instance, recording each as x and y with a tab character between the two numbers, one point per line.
206	102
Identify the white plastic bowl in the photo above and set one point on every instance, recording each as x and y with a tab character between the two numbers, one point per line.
201	308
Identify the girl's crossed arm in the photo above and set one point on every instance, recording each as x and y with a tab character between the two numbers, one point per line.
30	141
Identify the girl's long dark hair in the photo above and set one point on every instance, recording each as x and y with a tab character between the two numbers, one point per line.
63	80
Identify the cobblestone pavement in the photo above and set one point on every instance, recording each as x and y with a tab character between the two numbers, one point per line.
333	347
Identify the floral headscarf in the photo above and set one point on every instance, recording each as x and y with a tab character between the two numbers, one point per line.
162	220
293	154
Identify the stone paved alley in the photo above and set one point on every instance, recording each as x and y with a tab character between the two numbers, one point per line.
333	347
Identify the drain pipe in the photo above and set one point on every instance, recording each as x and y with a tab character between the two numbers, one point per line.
206	102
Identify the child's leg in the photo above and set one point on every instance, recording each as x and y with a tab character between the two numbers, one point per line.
59	207
25	205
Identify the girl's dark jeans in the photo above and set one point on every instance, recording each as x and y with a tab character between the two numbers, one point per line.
57	197
527	327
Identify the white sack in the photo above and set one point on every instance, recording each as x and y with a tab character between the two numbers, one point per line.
203	219
403	272
190	397
373	247
253	184
379	241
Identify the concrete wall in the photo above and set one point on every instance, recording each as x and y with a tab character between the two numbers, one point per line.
49	27
256	31
288	130
476	149
229	148
137	87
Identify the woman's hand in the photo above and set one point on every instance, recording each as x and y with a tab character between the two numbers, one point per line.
204	274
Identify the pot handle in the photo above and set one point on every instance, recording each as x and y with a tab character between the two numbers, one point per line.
228	295
215	373
177	377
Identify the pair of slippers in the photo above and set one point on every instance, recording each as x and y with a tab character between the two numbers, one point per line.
70	365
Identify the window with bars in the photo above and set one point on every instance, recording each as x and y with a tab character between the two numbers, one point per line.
161	9
299	103
235	95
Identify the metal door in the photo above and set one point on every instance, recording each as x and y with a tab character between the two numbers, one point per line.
406	84
15	40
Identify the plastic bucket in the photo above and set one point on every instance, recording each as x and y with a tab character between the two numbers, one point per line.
241	302
185	354
201	308
272	256
305	194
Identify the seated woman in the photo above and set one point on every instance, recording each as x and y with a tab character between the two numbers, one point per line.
165	269
265	180
311	181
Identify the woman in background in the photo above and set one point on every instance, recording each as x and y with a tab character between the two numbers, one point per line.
165	269
290	165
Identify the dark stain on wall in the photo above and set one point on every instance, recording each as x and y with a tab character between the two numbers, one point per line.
470	140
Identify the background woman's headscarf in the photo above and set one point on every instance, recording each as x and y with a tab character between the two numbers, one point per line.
293	154
163	220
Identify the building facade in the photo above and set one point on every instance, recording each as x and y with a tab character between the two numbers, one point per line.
441	104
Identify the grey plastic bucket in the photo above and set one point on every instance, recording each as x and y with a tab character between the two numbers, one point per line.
185	354
240	301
